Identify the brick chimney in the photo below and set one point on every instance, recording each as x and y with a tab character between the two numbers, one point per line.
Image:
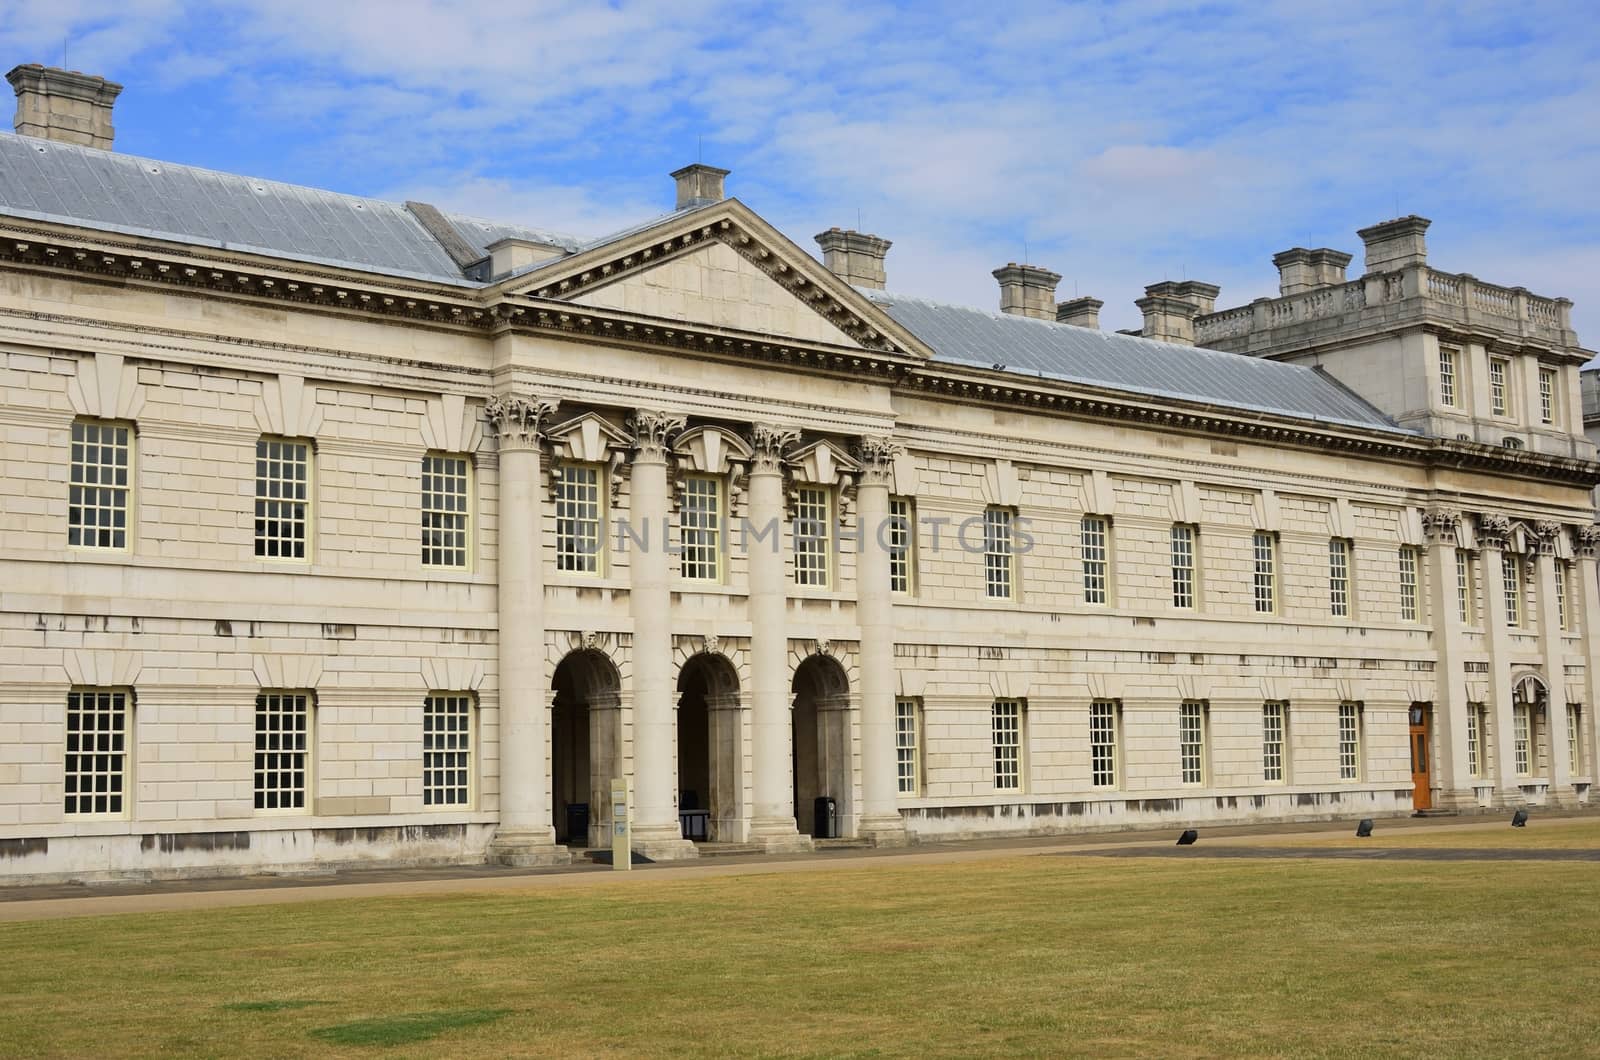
1396	244
1027	291
699	185
855	257
1300	269
63	105
1080	312
1170	309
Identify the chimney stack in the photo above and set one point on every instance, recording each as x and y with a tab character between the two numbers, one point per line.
855	257
1027	291
1080	312
699	185
1396	244
1300	269
63	105
1170	309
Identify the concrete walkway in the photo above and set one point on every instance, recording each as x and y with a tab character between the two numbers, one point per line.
64	900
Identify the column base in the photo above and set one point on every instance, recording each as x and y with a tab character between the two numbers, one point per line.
529	848
889	830
663	844
780	836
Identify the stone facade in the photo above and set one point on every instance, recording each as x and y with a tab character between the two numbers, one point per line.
703	375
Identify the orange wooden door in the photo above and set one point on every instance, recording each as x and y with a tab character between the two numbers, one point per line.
1421	774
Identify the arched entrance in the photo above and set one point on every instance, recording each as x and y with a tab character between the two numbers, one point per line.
821	745
711	745
585	732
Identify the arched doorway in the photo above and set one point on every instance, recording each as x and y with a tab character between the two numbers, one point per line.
821	745
585	731
711	745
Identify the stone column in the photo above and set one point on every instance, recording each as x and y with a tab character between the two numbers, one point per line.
1493	534
656	830
1587	540
1442	527
1555	666
772	821
525	835
725	739
880	789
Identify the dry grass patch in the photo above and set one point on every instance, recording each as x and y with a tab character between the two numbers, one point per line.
1043	956
1557	833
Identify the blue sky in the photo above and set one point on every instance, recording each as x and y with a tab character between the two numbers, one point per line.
1118	144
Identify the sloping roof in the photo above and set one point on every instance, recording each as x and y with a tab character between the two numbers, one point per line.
981	339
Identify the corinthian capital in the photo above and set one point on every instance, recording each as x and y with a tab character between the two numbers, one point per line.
769	443
1441	524
518	421
877	459
1586	538
653	432
1545	534
1494	530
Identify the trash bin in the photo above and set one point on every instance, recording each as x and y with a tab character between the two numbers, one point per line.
825	818
578	823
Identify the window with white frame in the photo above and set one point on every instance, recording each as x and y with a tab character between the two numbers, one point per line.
1563	572
1475	713
1349	741
999	565
446	509
97	496
283	750
283	498
1192	718
1547	396
1274	730
1575	739
902	541
813	540
1499	403
1465	605
700	528
96	763
1094	534
1006	726
1103	726
447	737
1183	554
1522	738
1338	578
1265	546
1410	599
580	531
908	745
1447	377
1511	573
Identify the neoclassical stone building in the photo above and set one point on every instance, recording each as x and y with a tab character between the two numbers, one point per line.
344	530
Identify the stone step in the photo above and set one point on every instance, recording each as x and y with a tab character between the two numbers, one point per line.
842	844
717	850
1437	813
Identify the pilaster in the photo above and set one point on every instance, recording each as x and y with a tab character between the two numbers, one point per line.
880	814
1494	532
1586	540
1442	527
1555	724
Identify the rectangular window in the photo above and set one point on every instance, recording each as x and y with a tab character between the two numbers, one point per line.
1266	572
1475	739
447	749
1498	368
446	497
908	745
1349	741
999	566
97	497
1338	578
902	543
1093	534
283	750
1521	739
700	528
96	763
1563	571
1511	572
1103	743
1547	396
812	539
580	535
1006	725
1192	741
283	498
1410	603
1273	726
1464	602
1183	539
1574	741
1447	377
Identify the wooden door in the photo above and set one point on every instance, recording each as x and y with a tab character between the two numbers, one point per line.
1421	773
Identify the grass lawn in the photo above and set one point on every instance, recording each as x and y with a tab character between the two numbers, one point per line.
1040	956
1571	833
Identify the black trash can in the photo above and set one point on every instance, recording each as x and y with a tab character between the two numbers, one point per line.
578	823
825	818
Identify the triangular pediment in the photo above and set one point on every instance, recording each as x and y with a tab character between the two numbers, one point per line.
720	267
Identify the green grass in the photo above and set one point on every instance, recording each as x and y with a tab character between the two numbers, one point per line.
1043	956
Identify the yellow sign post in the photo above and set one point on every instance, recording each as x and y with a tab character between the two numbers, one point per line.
621	849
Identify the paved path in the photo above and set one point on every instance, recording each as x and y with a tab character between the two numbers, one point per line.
62	900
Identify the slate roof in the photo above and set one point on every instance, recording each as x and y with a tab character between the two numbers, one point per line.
105	190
